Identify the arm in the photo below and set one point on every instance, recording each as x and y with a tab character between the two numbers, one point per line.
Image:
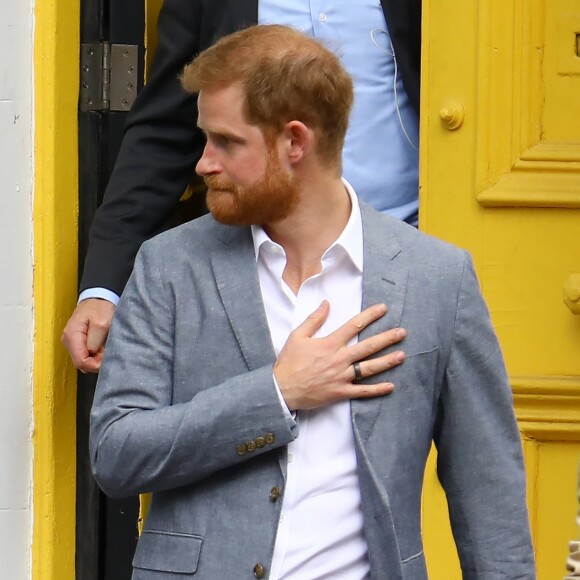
479	449
140	440
157	156
154	166
403	19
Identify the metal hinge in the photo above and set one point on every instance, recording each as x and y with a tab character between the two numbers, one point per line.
108	76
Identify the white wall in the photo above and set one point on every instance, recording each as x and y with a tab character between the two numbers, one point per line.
16	316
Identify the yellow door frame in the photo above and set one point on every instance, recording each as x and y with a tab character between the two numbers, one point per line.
55	217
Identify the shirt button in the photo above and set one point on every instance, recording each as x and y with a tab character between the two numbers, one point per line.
260	441
241	449
270	438
281	518
274	494
251	446
290	457
259	571
322	17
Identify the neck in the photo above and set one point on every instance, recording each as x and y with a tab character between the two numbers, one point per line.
321	216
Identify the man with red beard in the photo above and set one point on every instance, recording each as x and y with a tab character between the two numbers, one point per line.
245	378
379	43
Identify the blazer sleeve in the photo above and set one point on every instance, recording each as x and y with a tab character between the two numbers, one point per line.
140	440
480	463
157	158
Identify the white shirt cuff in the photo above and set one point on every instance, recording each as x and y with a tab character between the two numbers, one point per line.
101	293
290	416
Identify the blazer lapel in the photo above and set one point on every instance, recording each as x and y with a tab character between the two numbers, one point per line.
384	281
236	275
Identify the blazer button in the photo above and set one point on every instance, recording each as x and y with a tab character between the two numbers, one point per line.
241	449
274	493
260	441
251	446
259	571
270	438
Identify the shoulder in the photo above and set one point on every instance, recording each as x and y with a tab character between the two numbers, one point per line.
418	249
199	235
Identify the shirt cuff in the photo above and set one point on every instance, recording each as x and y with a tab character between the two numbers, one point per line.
290	416
101	293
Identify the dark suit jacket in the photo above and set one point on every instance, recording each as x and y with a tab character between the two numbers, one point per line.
162	143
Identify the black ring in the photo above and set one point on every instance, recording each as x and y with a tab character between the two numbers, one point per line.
357	371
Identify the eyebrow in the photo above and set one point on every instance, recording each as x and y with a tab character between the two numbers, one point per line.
217	133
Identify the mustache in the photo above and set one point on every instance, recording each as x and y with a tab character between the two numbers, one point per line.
219	184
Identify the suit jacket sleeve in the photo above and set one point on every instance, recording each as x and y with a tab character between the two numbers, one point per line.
140	440
157	156
480	460
403	19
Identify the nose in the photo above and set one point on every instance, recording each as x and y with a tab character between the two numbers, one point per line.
207	164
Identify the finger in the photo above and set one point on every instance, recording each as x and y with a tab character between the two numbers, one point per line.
369	346
314	322
90	365
369	368
75	342
96	336
366	391
357	323
83	360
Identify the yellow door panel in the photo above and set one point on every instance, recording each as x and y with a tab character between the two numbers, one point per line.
500	176
152	8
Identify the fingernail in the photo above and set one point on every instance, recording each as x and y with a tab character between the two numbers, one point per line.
401	333
400	356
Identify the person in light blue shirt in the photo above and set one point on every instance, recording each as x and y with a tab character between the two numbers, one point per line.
377	41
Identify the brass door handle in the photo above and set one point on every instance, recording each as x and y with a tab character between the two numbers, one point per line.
572	293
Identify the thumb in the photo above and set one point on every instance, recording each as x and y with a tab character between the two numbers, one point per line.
96	336
314	321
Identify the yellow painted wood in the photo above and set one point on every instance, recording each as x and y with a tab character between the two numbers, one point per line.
55	270
506	186
152	8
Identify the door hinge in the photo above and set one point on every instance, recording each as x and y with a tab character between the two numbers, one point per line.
108	76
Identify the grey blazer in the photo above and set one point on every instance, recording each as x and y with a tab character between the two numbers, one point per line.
186	408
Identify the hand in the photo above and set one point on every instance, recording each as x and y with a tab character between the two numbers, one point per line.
312	372
86	332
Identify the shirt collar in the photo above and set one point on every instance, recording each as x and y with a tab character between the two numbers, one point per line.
350	239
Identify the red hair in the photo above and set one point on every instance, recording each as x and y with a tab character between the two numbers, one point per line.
285	76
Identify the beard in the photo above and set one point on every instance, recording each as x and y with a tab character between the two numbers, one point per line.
269	200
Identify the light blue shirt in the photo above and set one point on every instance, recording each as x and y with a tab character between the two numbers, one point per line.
380	156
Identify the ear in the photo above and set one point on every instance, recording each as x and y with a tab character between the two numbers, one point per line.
299	140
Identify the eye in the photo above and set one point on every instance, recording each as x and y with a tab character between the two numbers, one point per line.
222	141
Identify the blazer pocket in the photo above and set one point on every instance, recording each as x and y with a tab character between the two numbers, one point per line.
415	378
168	552
414	567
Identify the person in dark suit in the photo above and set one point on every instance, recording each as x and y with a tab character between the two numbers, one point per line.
379	44
252	379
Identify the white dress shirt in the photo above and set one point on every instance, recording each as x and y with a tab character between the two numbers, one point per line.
320	533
